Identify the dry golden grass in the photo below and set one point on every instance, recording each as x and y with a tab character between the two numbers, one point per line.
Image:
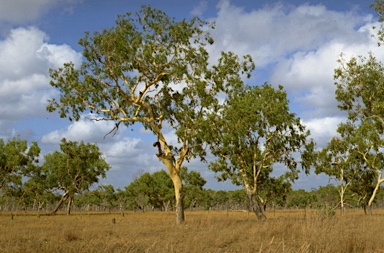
286	231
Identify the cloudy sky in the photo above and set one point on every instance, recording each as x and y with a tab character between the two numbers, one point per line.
293	43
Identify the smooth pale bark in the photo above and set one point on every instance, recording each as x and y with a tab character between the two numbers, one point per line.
173	168
379	181
179	195
342	189
63	198
70	201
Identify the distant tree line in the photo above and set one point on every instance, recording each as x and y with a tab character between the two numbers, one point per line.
67	176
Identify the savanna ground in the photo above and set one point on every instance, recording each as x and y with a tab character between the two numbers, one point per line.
203	231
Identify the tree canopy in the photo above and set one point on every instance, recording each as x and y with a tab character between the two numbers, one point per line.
254	131
359	90
17	159
155	70
74	169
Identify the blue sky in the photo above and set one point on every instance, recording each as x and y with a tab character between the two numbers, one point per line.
293	43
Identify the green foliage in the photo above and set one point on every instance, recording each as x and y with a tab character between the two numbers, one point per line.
327	196
274	191
378	6
360	89
17	159
154	189
193	187
74	169
149	69
254	131
301	199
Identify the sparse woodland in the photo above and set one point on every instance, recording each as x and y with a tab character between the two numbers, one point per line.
153	70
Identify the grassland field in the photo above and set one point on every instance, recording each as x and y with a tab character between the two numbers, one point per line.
203	231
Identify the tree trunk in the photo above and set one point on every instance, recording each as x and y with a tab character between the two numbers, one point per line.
379	181
341	193
63	198
179	196
70	201
174	174
256	207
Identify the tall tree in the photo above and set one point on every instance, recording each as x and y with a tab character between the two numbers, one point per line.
360	91
153	70
74	169
254	131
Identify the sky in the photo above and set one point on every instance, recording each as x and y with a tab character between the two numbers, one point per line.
295	44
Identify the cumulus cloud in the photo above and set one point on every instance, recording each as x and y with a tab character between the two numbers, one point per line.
308	75
274	32
20	11
83	130
323	129
131	153
25	57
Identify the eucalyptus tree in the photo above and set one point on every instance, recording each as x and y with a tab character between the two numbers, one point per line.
194	183
360	91
74	169
155	190
107	196
274	191
254	131
17	159
153	70
340	160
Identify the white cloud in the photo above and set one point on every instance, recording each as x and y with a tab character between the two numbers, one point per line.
200	8
131	153
323	129
19	11
273	32
83	130
25	57
18	57
308	75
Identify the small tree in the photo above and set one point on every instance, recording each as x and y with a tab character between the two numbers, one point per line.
194	183
274	191
254	131
74	169
151	70
107	195
154	189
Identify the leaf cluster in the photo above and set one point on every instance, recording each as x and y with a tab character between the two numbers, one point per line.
17	159
254	131
150	68
75	168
